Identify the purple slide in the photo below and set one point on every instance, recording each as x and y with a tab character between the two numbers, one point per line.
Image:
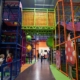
69	26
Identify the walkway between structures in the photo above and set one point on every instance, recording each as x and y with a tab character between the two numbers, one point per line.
37	71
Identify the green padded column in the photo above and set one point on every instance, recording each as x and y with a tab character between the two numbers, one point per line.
50	42
47	17
55	17
34	17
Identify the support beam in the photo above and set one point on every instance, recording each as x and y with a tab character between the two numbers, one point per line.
74	3
68	3
73	25
0	17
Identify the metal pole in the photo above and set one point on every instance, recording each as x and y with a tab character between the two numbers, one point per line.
63	9
0	18
58	9
73	25
35	49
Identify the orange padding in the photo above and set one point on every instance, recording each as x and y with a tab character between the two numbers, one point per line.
25	66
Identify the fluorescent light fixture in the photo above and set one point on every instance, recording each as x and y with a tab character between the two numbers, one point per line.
43	5
39	0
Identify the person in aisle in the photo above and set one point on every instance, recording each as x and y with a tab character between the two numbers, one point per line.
38	55
47	55
42	56
1	59
9	58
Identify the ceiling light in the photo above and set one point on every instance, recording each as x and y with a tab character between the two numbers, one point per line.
43	5
39	0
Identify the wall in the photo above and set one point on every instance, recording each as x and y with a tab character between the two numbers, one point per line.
40	45
43	47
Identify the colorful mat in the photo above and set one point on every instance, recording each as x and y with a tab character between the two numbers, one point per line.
57	74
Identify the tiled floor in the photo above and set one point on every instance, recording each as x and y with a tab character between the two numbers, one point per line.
37	71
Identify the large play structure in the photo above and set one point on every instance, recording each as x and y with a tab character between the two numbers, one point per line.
26	32
11	38
39	23
68	37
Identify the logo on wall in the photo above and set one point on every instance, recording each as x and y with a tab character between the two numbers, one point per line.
70	51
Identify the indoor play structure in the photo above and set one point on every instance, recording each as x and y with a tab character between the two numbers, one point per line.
11	38
68	37
38	23
22	32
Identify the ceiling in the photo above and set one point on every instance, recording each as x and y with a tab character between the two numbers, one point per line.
72	0
38	3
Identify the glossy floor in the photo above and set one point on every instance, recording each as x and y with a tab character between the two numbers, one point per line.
38	71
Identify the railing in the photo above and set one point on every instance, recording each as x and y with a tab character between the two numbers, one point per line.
9	71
